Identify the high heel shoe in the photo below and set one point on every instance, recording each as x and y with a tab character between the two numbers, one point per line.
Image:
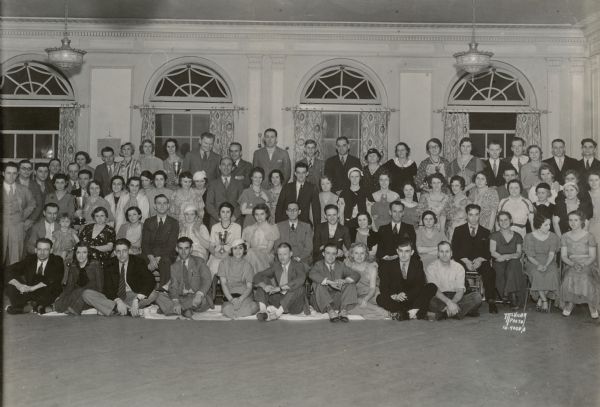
538	306
545	307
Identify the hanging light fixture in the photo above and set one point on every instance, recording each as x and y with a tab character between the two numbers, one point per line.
65	57
473	60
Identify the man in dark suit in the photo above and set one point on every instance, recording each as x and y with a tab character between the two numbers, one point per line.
316	166
403	289
83	179
334	285
271	157
471	248
41	178
589	162
280	288
509	174
73	175
189	284
560	162
297	234
105	171
159	239
204	159
128	285
518	158
43	228
223	189
494	165
390	235
331	232
34	283
337	167
241	168
302	192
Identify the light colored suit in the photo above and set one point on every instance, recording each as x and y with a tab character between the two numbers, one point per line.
300	239
37	231
324	297
15	210
280	160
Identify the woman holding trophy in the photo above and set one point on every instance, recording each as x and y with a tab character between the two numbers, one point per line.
222	234
173	163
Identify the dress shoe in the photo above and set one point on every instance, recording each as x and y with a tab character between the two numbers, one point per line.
187	313
261	316
14	310
440	316
493	308
344	316
333	317
402	316
422	314
41	310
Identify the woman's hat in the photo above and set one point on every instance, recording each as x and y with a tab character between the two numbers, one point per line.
237	242
373	151
351	170
198	175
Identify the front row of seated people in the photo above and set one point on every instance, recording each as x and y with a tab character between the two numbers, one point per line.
338	283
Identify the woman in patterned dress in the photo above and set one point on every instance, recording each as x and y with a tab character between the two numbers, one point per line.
486	198
434	164
457	214
466	165
261	237
435	200
252	196
128	167
99	236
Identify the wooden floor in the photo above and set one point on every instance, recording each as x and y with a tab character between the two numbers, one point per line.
99	361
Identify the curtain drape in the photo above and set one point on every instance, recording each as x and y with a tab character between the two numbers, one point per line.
308	125
528	128
221	125
373	132
148	123
67	138
456	126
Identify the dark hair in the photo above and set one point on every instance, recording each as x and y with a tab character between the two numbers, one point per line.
464	140
185	239
56	159
593	172
57	177
331	206
64	215
546	166
244	245
235	143
146	141
488	177
84	172
405	243
224	158
85	154
404	184
261	207
572	172
503	213
444	243
542	185
276	171
369	219
161	196
171	140
226	205
515	181
539	219
344	138
589	140
132	208
292	203
531	147
460	180
41	165
117	177
106	149
558	140
159	172
396	203
43	240
81	243
402	143
185	174
271	130
428	212
147	174
138	179
50	205
124	242
434	141
435	175
509	168
518	139
579	213
330	244
284	244
11	164
310	141
472	206
93	181
301	164
100	209
494	143
25	161
259	170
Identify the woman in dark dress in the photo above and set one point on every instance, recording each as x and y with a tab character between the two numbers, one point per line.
98	236
573	201
354	198
83	274
371	171
401	168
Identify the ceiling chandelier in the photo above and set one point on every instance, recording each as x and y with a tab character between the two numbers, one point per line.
65	57
473	60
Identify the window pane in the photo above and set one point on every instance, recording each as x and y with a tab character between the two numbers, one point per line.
8	145
350	126
163	125
328	149
30	118
200	124
24	146
492	121
160	151
184	145
330	126
181	125
478	142
43	145
55	146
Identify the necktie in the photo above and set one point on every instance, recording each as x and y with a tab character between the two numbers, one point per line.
343	160
495	168
310	163
202	155
12	191
293	227
122	293
587	164
403	268
472	231
560	164
226	182
396	229
186	277
110	171
284	276
40	270
160	223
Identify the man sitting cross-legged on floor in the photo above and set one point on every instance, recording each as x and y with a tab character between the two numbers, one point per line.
449	277
280	288
404	290
128	285
190	281
334	285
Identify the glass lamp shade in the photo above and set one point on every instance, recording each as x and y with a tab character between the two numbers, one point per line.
65	57
473	60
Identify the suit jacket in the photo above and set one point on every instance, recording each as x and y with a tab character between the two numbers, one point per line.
37	231
139	278
319	272
38	197
466	246
272	275
18	209
341	238
595	166
199	277
569	163
498	179
25	272
280	161
241	172
388	240
300	239
216	194
160	242
339	172
101	176
307	200
392	282
192	162
315	171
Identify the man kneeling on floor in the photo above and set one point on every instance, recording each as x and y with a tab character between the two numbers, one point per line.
128	285
190	280
449	276
404	291
334	285
280	288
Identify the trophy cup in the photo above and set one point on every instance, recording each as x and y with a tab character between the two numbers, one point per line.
79	203
177	168
223	240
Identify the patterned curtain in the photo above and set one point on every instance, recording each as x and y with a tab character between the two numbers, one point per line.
221	125
67	138
148	123
456	126
308	125
528	128
373	132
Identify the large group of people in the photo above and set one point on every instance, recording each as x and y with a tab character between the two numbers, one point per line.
344	235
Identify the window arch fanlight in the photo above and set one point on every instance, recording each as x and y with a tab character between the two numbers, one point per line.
340	84
34	80
191	82
491	87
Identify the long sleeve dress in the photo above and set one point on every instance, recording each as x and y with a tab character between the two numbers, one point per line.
79	279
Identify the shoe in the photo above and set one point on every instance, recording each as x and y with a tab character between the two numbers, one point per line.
566	312
187	313
261	316
333	317
440	316
538	306
422	315
545	307
41	310
14	310
402	316
594	314
492	308
344	316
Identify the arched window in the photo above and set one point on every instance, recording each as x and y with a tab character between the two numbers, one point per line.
488	88
341	99
191	82
32	94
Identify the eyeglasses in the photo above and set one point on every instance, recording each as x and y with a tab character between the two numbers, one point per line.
27	168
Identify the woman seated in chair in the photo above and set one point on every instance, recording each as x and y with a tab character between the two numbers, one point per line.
428	237
581	284
364	234
261	238
540	247
366	287
506	248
